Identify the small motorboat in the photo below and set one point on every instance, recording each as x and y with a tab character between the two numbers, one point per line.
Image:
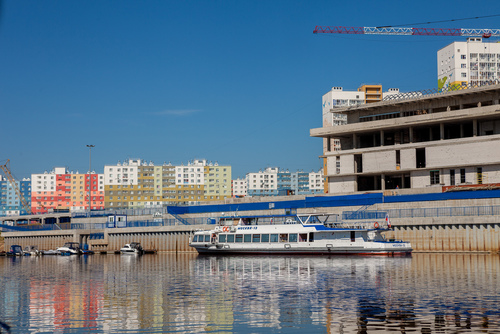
15	250
31	250
70	248
50	252
132	248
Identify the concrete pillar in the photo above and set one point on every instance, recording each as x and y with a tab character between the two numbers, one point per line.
354	141
382	180
474	127
411	134
381	137
461	130
441	131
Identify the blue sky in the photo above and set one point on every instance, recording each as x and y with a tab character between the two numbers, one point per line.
237	82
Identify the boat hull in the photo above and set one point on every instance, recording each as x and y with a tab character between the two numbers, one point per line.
309	251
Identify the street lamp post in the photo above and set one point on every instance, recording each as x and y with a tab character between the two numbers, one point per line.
90	177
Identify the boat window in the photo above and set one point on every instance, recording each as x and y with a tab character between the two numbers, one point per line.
303	237
283	237
353	236
195	238
230	238
256	238
274	238
265	238
207	237
311	237
248	238
239	237
222	237
292	237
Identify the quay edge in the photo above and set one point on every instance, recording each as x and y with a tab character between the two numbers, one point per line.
429	221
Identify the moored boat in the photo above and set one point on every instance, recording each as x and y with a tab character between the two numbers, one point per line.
31	250
298	234
70	248
132	248
15	250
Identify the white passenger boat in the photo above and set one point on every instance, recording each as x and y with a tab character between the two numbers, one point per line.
298	234
132	248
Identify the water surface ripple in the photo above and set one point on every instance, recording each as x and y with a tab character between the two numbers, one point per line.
187	293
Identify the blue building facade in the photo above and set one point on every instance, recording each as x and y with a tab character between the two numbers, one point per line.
10	203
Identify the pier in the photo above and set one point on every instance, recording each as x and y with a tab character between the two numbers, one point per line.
467	221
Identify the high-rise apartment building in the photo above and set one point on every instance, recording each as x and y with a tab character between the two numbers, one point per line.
63	190
471	62
273	182
10	203
138	184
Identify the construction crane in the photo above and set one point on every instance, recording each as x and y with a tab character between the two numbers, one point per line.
6	170
404	31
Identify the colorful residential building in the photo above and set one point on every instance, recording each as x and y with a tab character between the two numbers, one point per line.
63	190
10	203
138	184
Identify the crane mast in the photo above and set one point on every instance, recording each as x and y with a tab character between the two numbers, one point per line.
404	31
13	182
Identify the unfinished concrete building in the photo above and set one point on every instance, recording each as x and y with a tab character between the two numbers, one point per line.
447	139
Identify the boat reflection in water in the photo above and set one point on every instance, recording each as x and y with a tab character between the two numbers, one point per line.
189	293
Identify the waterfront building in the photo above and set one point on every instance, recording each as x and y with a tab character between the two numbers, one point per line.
10	203
217	182
263	183
139	184
239	187
63	190
470	62
429	141
275	182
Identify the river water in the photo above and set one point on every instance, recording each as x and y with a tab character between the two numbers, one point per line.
187	293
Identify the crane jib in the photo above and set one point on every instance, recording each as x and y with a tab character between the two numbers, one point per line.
406	31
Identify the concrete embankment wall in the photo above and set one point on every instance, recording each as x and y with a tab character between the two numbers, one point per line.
448	233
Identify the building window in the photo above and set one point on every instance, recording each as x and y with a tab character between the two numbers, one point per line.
463	57
479	175
420	157
452	177
462	175
434	177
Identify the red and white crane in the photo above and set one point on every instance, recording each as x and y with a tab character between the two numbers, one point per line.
404	31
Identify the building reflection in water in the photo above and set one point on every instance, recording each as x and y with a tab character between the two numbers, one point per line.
190	293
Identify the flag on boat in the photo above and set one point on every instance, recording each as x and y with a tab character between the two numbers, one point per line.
387	221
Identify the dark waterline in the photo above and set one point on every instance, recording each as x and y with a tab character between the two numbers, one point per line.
445	293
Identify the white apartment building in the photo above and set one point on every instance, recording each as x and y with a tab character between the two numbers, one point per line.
125	173
239	187
316	181
471	62
191	174
263	183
